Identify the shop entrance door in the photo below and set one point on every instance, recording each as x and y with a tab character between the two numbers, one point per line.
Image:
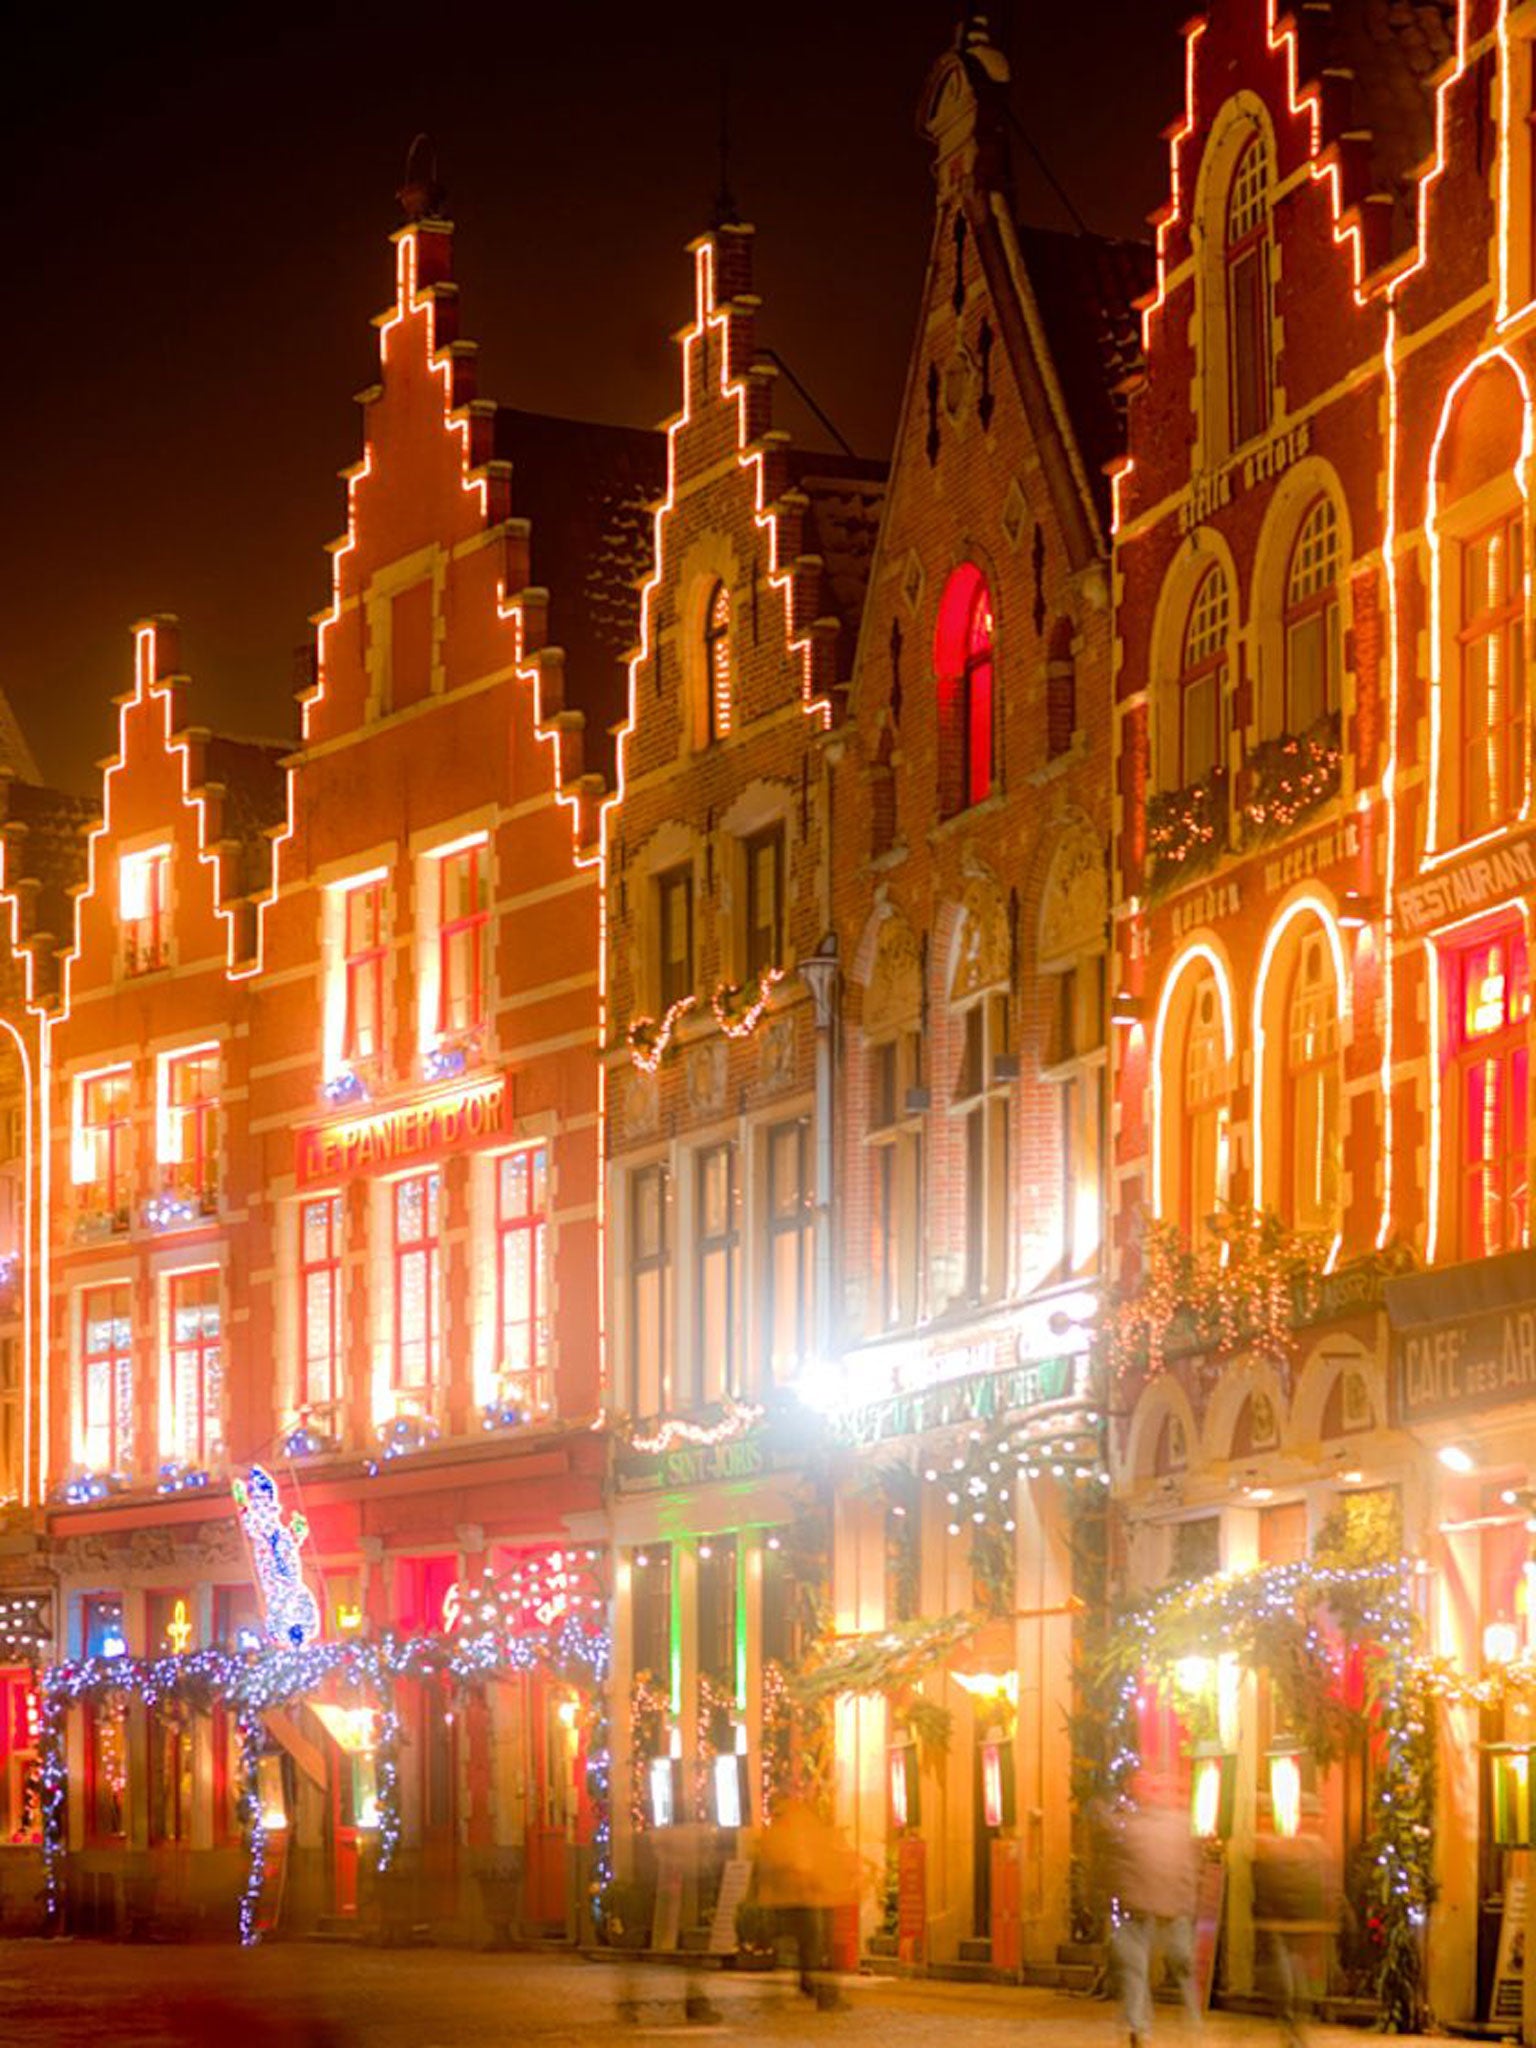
552	1730
983	1835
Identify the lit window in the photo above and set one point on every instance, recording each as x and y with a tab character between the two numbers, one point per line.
764	854
1491	653
1199	1113
187	1141
196	1368
982	1099
1202	682
1491	1073
896	1168
143	908
674	906
789	1261
717	1308
418	1330
522	1270
320	1302
717	662
363	955
1077	1044
649	1291
464	918
106	1379
1309	1109
1312	650
102	1149
963	661
1247	285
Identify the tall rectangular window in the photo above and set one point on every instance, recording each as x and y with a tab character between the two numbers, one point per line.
196	1378
650	1374
143	909
983	1102
1492	1068
1492	658
320	1302
464	920
106	1378
102	1148
896	1154
418	1322
188	1135
764	853
717	1617
522	1278
789	1262
719	1252
674	906
364	954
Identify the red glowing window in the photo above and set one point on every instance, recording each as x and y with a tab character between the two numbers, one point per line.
717	663
188	1138
364	954
103	1141
963	664
1247	268
418	1324
320	1302
1493	997
196	1377
1491	654
143	908
522	1253
1202	707
1312	649
106	1378
464	917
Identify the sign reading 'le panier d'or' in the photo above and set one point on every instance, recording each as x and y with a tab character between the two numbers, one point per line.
446	1120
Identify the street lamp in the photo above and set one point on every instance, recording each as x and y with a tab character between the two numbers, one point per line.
904	1786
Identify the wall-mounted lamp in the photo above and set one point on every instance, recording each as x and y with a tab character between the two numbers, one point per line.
1457	1458
904	1785
1285	1759
1125	1008
1356	911
1212	1792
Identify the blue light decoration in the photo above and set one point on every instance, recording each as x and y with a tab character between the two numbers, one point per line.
82	1486
305	1441
250	1683
443	1062
502	1414
171	1212
292	1612
178	1478
345	1087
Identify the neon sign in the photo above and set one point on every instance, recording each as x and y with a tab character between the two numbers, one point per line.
448	1120
292	1613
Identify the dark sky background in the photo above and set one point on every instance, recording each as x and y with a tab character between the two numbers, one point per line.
198	202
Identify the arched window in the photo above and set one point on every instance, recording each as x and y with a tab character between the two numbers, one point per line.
1202	682
1310	1094
1202	1128
717	664
1312	648
963	664
1247	281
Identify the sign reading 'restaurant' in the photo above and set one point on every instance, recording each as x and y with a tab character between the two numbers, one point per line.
1483	1361
1472	886
448	1120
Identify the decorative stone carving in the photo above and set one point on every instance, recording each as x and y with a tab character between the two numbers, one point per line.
895	993
216	1543
83	1556
642	1104
150	1550
776	1054
983	956
1074	904
1015	512
912	580
706	1075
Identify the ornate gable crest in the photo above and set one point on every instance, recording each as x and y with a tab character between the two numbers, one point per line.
1074	904
983	953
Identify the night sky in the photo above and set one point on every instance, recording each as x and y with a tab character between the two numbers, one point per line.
198	202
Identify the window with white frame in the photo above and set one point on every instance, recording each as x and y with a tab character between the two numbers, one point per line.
650	1289
789	1263
981	1098
1310	1109
463	933
1313	651
104	1441
522	1279
896	1182
1247	289
717	1302
187	1136
195	1376
364	953
319	1385
417	1202
102	1142
143	908
717	663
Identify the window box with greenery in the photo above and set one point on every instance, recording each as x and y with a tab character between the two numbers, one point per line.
1186	832
1290	776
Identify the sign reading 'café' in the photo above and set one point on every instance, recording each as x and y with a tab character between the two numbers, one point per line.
397	1134
1459	1369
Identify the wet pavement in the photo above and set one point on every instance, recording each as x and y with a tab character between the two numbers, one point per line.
309	1995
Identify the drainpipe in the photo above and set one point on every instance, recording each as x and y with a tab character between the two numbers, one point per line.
820	975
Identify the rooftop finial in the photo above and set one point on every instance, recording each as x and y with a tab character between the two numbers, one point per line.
421	197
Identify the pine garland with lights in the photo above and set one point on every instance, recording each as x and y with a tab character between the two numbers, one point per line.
1186	829
1290	776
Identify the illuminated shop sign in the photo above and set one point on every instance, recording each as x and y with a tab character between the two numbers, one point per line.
1462	891
448	1120
1462	1368
977	1398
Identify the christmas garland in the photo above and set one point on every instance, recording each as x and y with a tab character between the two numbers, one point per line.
1186	829
1290	776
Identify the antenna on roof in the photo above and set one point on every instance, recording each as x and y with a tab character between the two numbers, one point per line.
422	196
725	198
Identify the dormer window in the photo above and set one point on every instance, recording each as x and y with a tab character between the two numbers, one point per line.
717	664
1247	282
143	908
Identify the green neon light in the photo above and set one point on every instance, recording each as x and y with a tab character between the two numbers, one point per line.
741	1627
675	1611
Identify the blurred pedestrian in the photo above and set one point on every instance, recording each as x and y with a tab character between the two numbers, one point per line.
678	1856
804	1870
1287	1906
1150	1873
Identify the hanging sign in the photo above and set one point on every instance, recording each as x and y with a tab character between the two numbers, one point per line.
448	1120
